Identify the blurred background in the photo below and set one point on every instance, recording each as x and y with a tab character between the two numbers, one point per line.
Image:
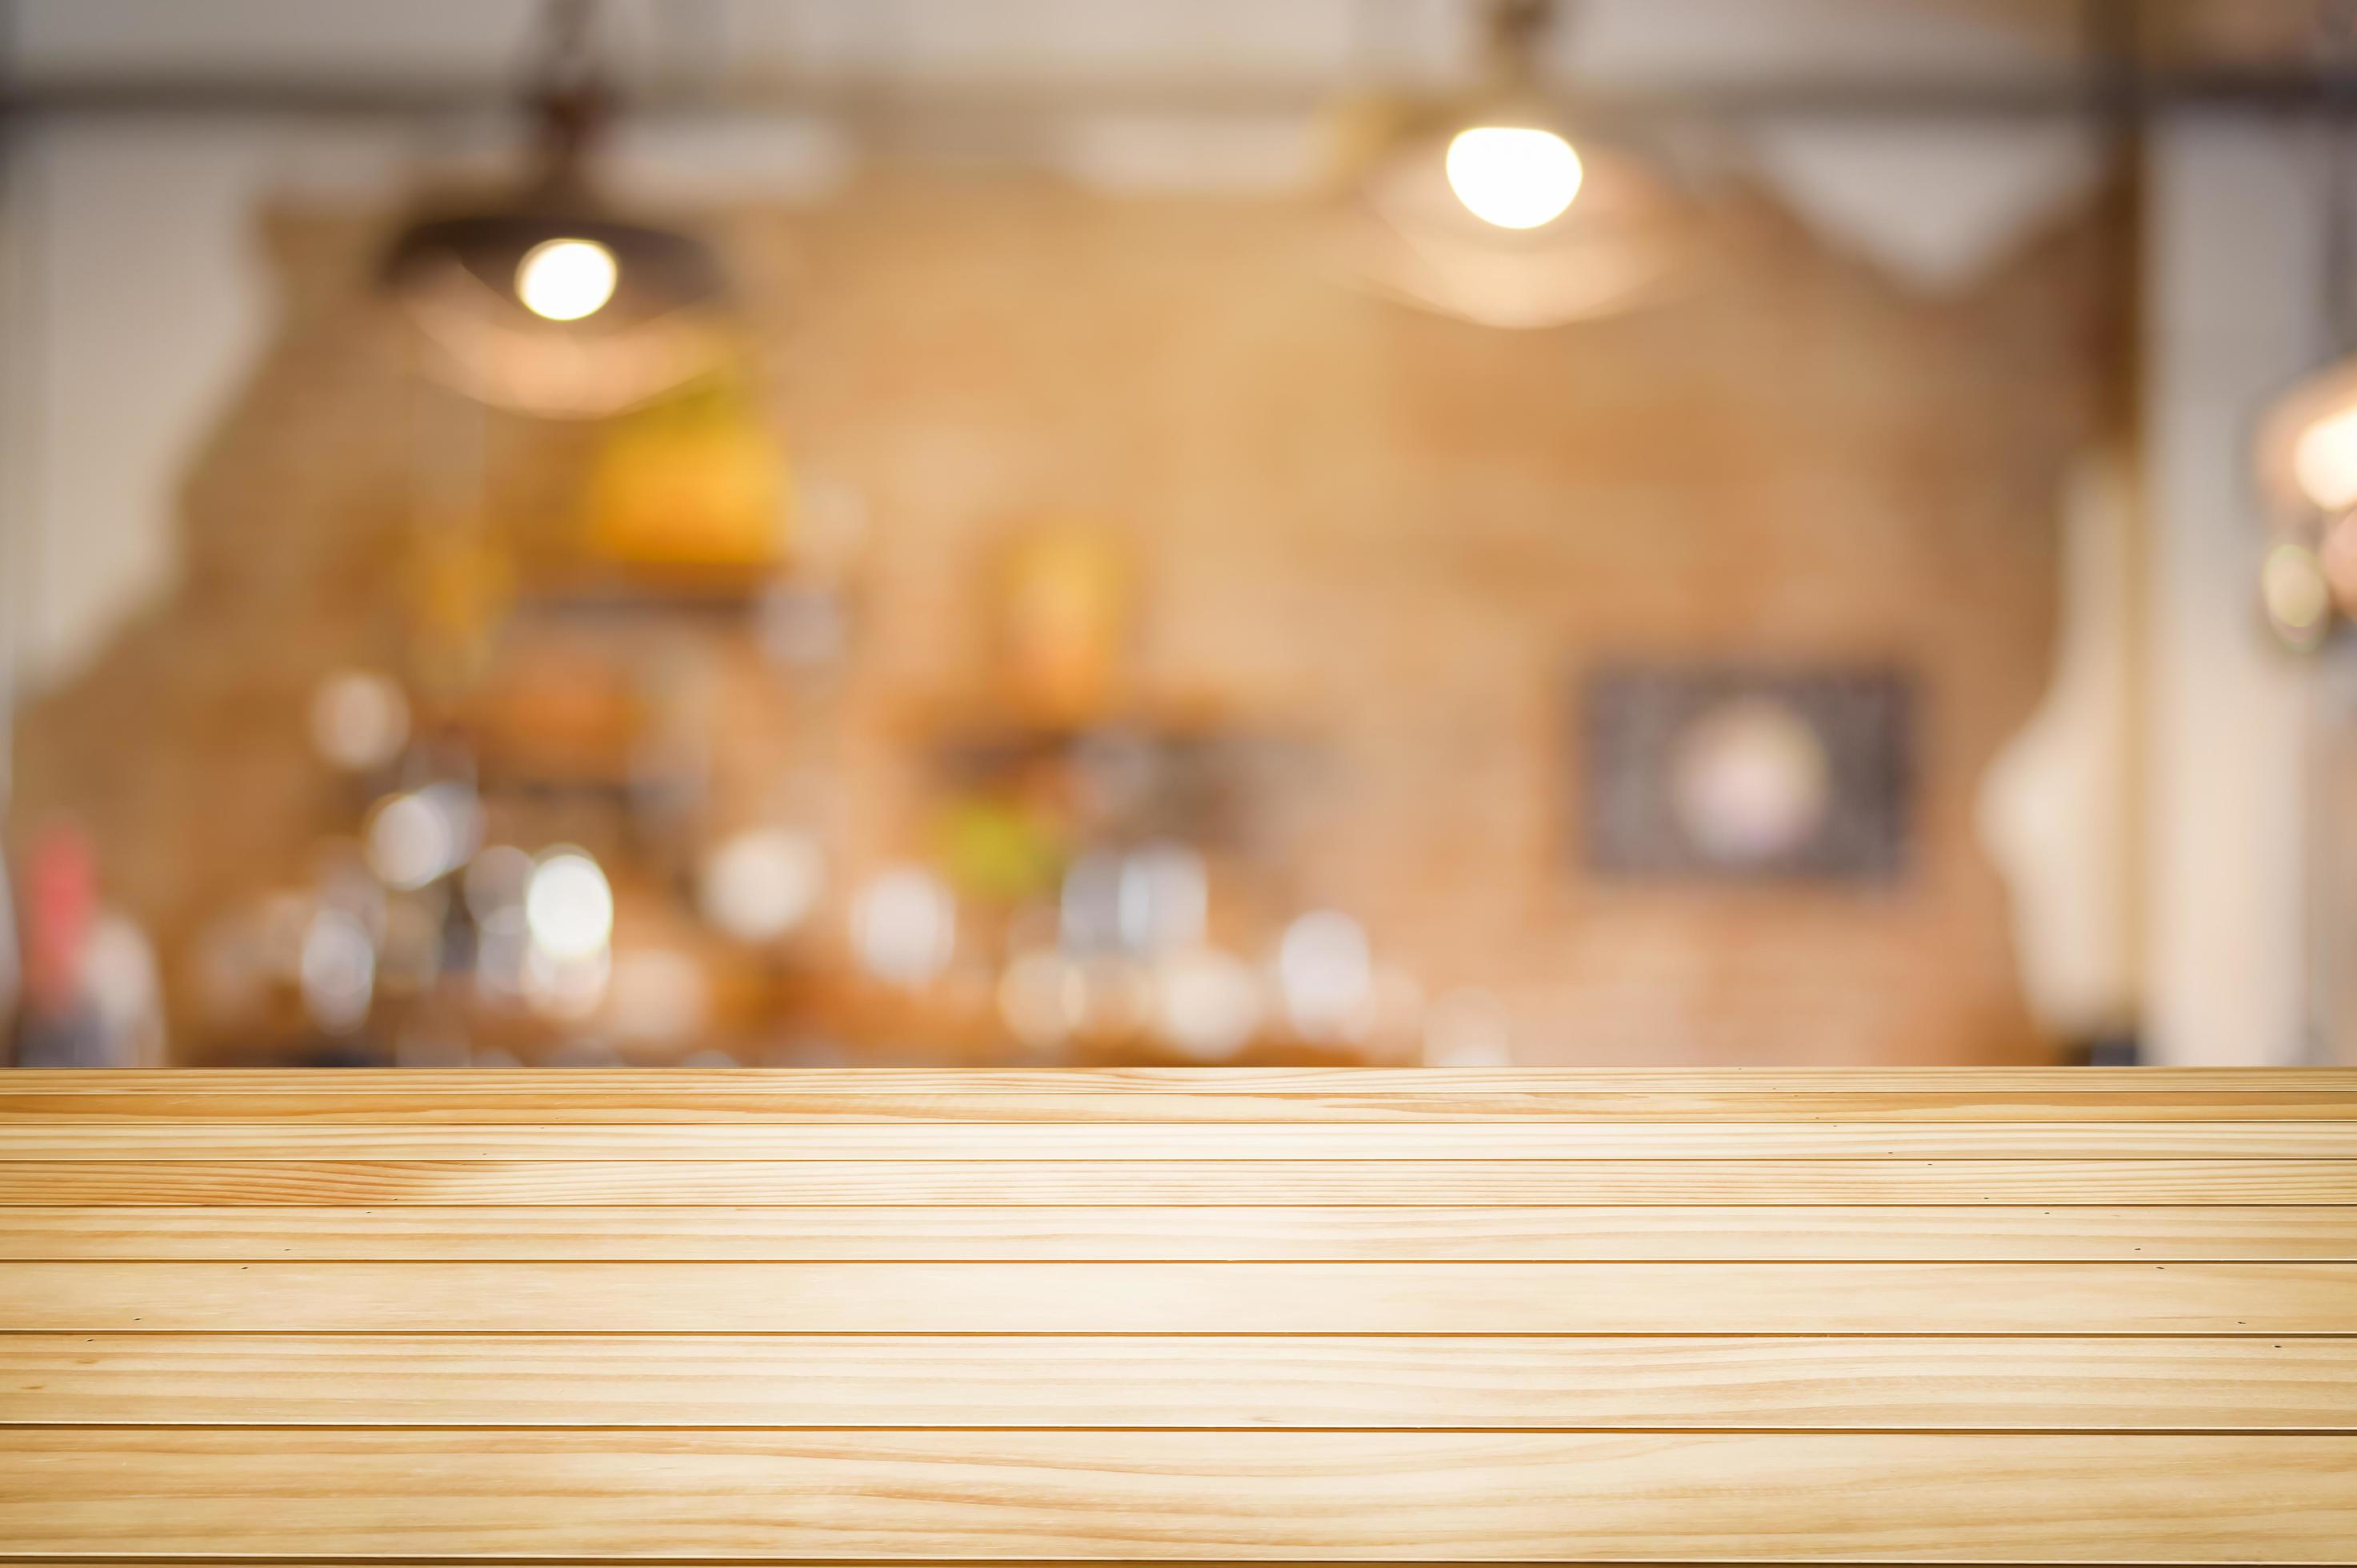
1098	531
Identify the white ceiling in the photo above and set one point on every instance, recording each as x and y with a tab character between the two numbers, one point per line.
451	42
1146	92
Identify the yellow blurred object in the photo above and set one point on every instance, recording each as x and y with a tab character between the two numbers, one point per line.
1063	622
995	849
694	482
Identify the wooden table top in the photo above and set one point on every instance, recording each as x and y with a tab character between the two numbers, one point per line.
1858	1316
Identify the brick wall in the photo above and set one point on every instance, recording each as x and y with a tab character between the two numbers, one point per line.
1396	538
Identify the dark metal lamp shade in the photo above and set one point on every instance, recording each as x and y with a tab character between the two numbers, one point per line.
547	301
661	320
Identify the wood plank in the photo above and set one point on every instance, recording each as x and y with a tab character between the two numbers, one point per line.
1167	1381
1722	1496
1759	1082
1185	1298
576	1560
1128	1184
1430	1233
564	1104
1260	1316
1204	1094
131	1139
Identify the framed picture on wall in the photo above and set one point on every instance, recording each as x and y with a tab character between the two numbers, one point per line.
1742	772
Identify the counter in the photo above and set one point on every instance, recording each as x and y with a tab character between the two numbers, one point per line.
1937	1316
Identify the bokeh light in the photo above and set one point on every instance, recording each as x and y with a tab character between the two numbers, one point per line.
904	927
2324	460
760	885
1162	899
1325	974
568	908
408	842
1207	1003
338	970
359	720
2297	597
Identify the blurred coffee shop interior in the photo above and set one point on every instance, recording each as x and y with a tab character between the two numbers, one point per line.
904	533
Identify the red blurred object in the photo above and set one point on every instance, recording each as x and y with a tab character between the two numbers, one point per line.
60	910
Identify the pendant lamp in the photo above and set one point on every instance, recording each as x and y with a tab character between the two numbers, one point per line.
1498	207
2304	452
547	298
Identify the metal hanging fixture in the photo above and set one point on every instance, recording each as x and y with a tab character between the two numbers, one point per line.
1499	207
2306	448
548	299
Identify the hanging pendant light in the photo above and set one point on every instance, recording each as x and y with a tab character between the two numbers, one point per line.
548	300
2305	447
1497	208
2307	451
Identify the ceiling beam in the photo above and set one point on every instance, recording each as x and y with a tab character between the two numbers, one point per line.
1889	96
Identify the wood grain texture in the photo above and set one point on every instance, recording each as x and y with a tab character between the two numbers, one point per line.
1120	1381
721	1108
1967	1095
1449	1497
131	1139
1949	1316
707	1560
1433	1233
1178	1298
1133	1182
1680	1085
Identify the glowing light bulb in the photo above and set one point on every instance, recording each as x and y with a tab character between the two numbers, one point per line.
566	280
1516	176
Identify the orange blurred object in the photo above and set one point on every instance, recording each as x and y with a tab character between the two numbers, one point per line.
1063	622
694	482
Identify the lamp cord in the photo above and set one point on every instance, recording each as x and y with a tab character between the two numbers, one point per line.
572	92
1511	33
